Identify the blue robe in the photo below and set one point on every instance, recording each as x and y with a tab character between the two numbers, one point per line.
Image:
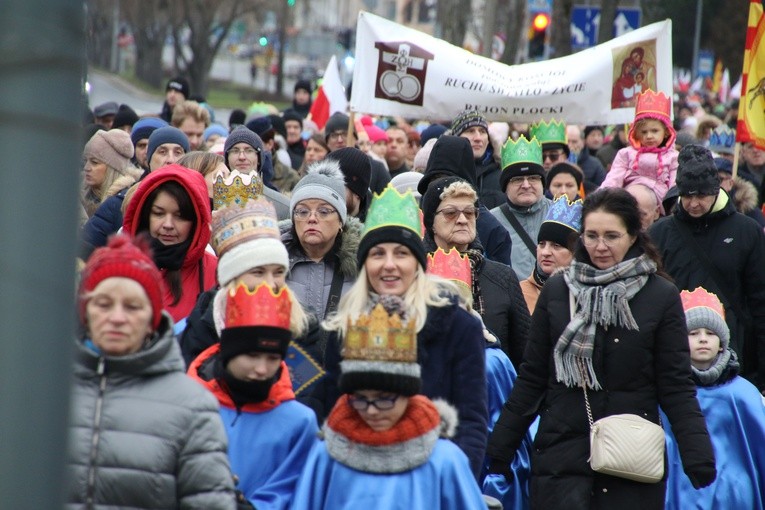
500	378
735	418
444	482
268	450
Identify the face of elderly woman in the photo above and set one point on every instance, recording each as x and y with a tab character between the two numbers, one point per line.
454	223
391	268
317	224
119	316
605	238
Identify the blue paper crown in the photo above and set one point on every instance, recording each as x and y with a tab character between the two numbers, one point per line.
722	139
566	213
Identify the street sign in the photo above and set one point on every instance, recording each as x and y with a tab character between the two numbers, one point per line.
585	21
540	6
626	20
706	63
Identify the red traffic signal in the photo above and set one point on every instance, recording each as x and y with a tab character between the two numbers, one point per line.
541	21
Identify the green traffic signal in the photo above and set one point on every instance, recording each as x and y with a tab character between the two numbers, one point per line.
263	41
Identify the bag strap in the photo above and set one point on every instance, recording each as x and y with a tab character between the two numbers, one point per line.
531	245
725	292
334	290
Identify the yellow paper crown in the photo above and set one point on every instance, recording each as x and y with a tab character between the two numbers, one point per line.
378	336
236	189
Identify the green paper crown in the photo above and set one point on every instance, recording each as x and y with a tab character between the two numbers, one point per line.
521	151
554	132
392	209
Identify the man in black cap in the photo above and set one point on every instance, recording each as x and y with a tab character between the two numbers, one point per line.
453	156
472	125
706	243
301	98
104	114
176	91
357	169
293	127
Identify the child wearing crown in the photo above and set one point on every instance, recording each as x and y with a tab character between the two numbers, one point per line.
651	158
270	434
734	413
384	445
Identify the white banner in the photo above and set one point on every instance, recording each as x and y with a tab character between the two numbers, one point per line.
401	71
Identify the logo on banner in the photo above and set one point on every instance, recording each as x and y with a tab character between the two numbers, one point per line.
401	71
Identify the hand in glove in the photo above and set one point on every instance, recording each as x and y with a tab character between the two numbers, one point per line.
501	467
701	475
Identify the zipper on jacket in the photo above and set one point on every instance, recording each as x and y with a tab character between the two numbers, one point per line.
90	495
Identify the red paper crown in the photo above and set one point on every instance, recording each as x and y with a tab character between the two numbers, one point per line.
262	307
450	265
653	103
701	297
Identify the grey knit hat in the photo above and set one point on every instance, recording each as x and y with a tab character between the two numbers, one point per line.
704	310
167	134
324	181
242	134
112	147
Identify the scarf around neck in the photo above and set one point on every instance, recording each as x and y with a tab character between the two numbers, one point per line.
602	299
723	368
171	256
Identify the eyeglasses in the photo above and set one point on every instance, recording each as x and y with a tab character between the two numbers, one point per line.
337	134
532	179
552	155
381	403
610	239
249	152
322	213
452	213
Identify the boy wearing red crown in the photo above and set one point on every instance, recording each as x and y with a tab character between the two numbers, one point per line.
650	158
270	434
733	410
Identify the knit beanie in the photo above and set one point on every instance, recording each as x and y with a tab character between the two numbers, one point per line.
126	116
704	310
243	134
565	168
407	181
590	129
696	172
237	118
112	147
144	128
468	119
214	129
180	84
323	181
167	134
261	126
423	154
337	122
278	123
388	366
127	258
724	165
393	217
451	155
356	167
291	114
256	321
432	132
376	134
432	199
303	85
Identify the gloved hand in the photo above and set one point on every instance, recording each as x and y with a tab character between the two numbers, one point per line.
242	503
501	467
701	475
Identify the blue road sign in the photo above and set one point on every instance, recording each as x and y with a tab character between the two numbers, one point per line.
540	6
706	63
585	21
626	20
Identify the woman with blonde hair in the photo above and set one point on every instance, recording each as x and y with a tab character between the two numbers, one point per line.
450	344
209	164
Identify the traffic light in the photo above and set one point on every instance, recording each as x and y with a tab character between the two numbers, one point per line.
263	41
540	21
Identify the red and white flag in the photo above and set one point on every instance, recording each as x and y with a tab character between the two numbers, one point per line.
330	97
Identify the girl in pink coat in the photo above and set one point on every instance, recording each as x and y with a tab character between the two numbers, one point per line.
651	158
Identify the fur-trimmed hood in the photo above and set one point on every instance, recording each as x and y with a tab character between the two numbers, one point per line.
348	247
744	195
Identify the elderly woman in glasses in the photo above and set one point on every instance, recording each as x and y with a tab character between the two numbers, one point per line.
613	324
321	239
450	210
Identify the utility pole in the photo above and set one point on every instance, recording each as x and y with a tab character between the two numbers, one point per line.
114	64
696	40
282	29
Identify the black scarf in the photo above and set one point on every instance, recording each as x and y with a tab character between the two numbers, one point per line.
169	257
540	277
243	392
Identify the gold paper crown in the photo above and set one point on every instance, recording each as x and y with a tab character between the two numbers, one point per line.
451	265
236	189
378	336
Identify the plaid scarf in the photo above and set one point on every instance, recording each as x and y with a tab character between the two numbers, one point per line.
602	299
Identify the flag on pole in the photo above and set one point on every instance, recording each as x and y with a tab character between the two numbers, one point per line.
751	110
723	94
717	77
735	90
330	97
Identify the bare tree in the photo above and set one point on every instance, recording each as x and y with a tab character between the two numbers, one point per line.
515	30
99	27
148	20
452	20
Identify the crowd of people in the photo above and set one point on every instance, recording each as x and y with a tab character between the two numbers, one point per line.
387	313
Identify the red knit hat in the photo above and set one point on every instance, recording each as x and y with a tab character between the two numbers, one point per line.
127	258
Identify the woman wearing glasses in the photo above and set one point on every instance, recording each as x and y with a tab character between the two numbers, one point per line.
321	239
449	214
626	342
383	445
392	262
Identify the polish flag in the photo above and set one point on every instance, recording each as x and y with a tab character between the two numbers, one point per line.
330	97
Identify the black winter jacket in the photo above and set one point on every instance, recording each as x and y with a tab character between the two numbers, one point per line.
638	370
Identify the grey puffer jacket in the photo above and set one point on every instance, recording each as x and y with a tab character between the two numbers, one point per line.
143	435
311	281
531	219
